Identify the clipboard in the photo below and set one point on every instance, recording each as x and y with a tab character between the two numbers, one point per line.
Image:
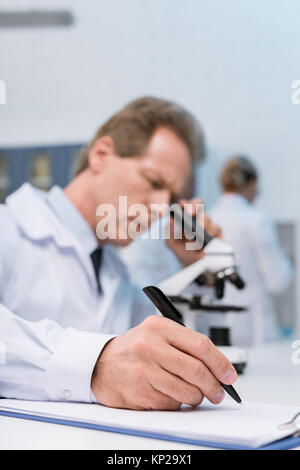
285	443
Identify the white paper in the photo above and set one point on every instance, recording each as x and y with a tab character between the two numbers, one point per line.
249	424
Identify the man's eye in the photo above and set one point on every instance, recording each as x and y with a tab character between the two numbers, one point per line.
156	184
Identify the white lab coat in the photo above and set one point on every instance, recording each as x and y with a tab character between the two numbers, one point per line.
148	258
53	323
262	264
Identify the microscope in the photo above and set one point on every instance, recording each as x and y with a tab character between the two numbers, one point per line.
195	289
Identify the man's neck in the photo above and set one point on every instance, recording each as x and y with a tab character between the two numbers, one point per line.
78	192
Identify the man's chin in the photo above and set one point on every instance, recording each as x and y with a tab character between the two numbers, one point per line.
120	242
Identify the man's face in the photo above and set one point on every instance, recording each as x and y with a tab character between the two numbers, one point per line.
156	177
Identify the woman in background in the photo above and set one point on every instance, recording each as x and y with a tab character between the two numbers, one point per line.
261	262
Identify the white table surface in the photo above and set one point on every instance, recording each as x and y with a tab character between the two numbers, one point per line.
270	377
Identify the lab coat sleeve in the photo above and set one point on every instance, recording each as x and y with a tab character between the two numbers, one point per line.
274	265
43	361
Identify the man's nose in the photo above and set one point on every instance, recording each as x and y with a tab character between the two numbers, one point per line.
159	203
161	197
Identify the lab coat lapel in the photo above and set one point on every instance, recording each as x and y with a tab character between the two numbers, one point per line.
37	221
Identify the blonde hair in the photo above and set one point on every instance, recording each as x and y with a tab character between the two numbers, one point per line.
133	126
237	172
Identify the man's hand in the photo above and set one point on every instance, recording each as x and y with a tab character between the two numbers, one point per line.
160	365
187	257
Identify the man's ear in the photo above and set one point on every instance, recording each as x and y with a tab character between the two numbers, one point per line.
102	149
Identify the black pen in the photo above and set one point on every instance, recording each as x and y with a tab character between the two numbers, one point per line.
168	310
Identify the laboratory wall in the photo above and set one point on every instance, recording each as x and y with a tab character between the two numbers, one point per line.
231	63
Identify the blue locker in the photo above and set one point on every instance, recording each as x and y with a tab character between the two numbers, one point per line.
18	165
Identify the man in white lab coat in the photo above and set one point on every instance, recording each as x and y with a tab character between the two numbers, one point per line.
262	264
67	306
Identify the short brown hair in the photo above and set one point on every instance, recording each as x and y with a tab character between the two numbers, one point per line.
237	172
132	127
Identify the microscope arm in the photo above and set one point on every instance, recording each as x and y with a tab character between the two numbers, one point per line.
218	255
